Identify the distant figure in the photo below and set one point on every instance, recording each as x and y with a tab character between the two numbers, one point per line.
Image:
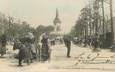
3	44
52	41
67	41
95	44
113	47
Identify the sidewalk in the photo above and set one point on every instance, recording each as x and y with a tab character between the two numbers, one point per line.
59	60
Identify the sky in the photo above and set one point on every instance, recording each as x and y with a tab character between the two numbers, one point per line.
42	12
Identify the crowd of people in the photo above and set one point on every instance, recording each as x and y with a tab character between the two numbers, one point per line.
93	42
30	50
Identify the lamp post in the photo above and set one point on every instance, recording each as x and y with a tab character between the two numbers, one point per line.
111	15
111	18
109	2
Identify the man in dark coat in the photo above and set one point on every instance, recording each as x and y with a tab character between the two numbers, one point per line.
3	45
67	41
25	51
22	54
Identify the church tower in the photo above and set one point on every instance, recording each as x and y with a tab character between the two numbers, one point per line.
57	22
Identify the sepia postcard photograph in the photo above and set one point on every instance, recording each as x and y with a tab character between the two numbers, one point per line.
57	36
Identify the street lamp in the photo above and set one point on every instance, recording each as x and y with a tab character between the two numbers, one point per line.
111	17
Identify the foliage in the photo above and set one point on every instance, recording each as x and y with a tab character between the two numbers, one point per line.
43	29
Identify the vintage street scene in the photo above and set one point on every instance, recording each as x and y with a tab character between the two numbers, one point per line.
57	36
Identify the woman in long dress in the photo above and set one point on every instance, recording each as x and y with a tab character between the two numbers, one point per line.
45	48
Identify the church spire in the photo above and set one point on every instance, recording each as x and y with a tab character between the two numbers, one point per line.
57	20
57	15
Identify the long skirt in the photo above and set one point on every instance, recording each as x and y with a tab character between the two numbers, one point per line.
25	53
45	52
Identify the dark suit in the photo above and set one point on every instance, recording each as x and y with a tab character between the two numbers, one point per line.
3	44
67	42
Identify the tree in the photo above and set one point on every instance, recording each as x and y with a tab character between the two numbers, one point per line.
43	29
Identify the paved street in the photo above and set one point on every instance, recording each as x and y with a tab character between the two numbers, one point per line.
59	62
84	54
